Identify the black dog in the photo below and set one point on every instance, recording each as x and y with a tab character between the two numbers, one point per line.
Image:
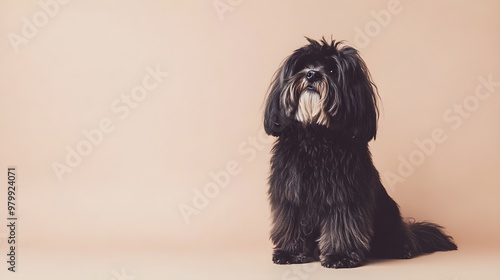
327	200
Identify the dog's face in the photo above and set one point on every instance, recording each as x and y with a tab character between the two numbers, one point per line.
323	84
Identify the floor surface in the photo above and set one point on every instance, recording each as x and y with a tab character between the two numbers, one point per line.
467	263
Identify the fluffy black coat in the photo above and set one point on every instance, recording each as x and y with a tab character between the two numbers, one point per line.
326	197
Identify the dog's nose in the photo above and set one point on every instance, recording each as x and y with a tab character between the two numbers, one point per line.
312	75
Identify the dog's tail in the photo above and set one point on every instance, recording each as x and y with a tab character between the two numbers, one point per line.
430	237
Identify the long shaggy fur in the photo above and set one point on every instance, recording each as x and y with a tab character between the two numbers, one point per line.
326	197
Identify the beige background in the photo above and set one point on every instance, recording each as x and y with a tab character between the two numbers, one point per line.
119	208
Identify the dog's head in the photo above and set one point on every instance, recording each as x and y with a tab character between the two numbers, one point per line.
324	84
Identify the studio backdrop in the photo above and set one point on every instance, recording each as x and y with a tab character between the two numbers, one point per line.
137	126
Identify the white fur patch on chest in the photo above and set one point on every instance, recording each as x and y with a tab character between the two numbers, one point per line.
310	109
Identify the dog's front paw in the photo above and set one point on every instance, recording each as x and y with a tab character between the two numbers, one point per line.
342	260
282	257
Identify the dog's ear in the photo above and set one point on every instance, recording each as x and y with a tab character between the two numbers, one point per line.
274	115
359	95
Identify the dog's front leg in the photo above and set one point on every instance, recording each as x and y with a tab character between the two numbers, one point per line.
294	240
345	237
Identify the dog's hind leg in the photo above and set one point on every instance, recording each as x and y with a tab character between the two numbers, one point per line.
392	237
